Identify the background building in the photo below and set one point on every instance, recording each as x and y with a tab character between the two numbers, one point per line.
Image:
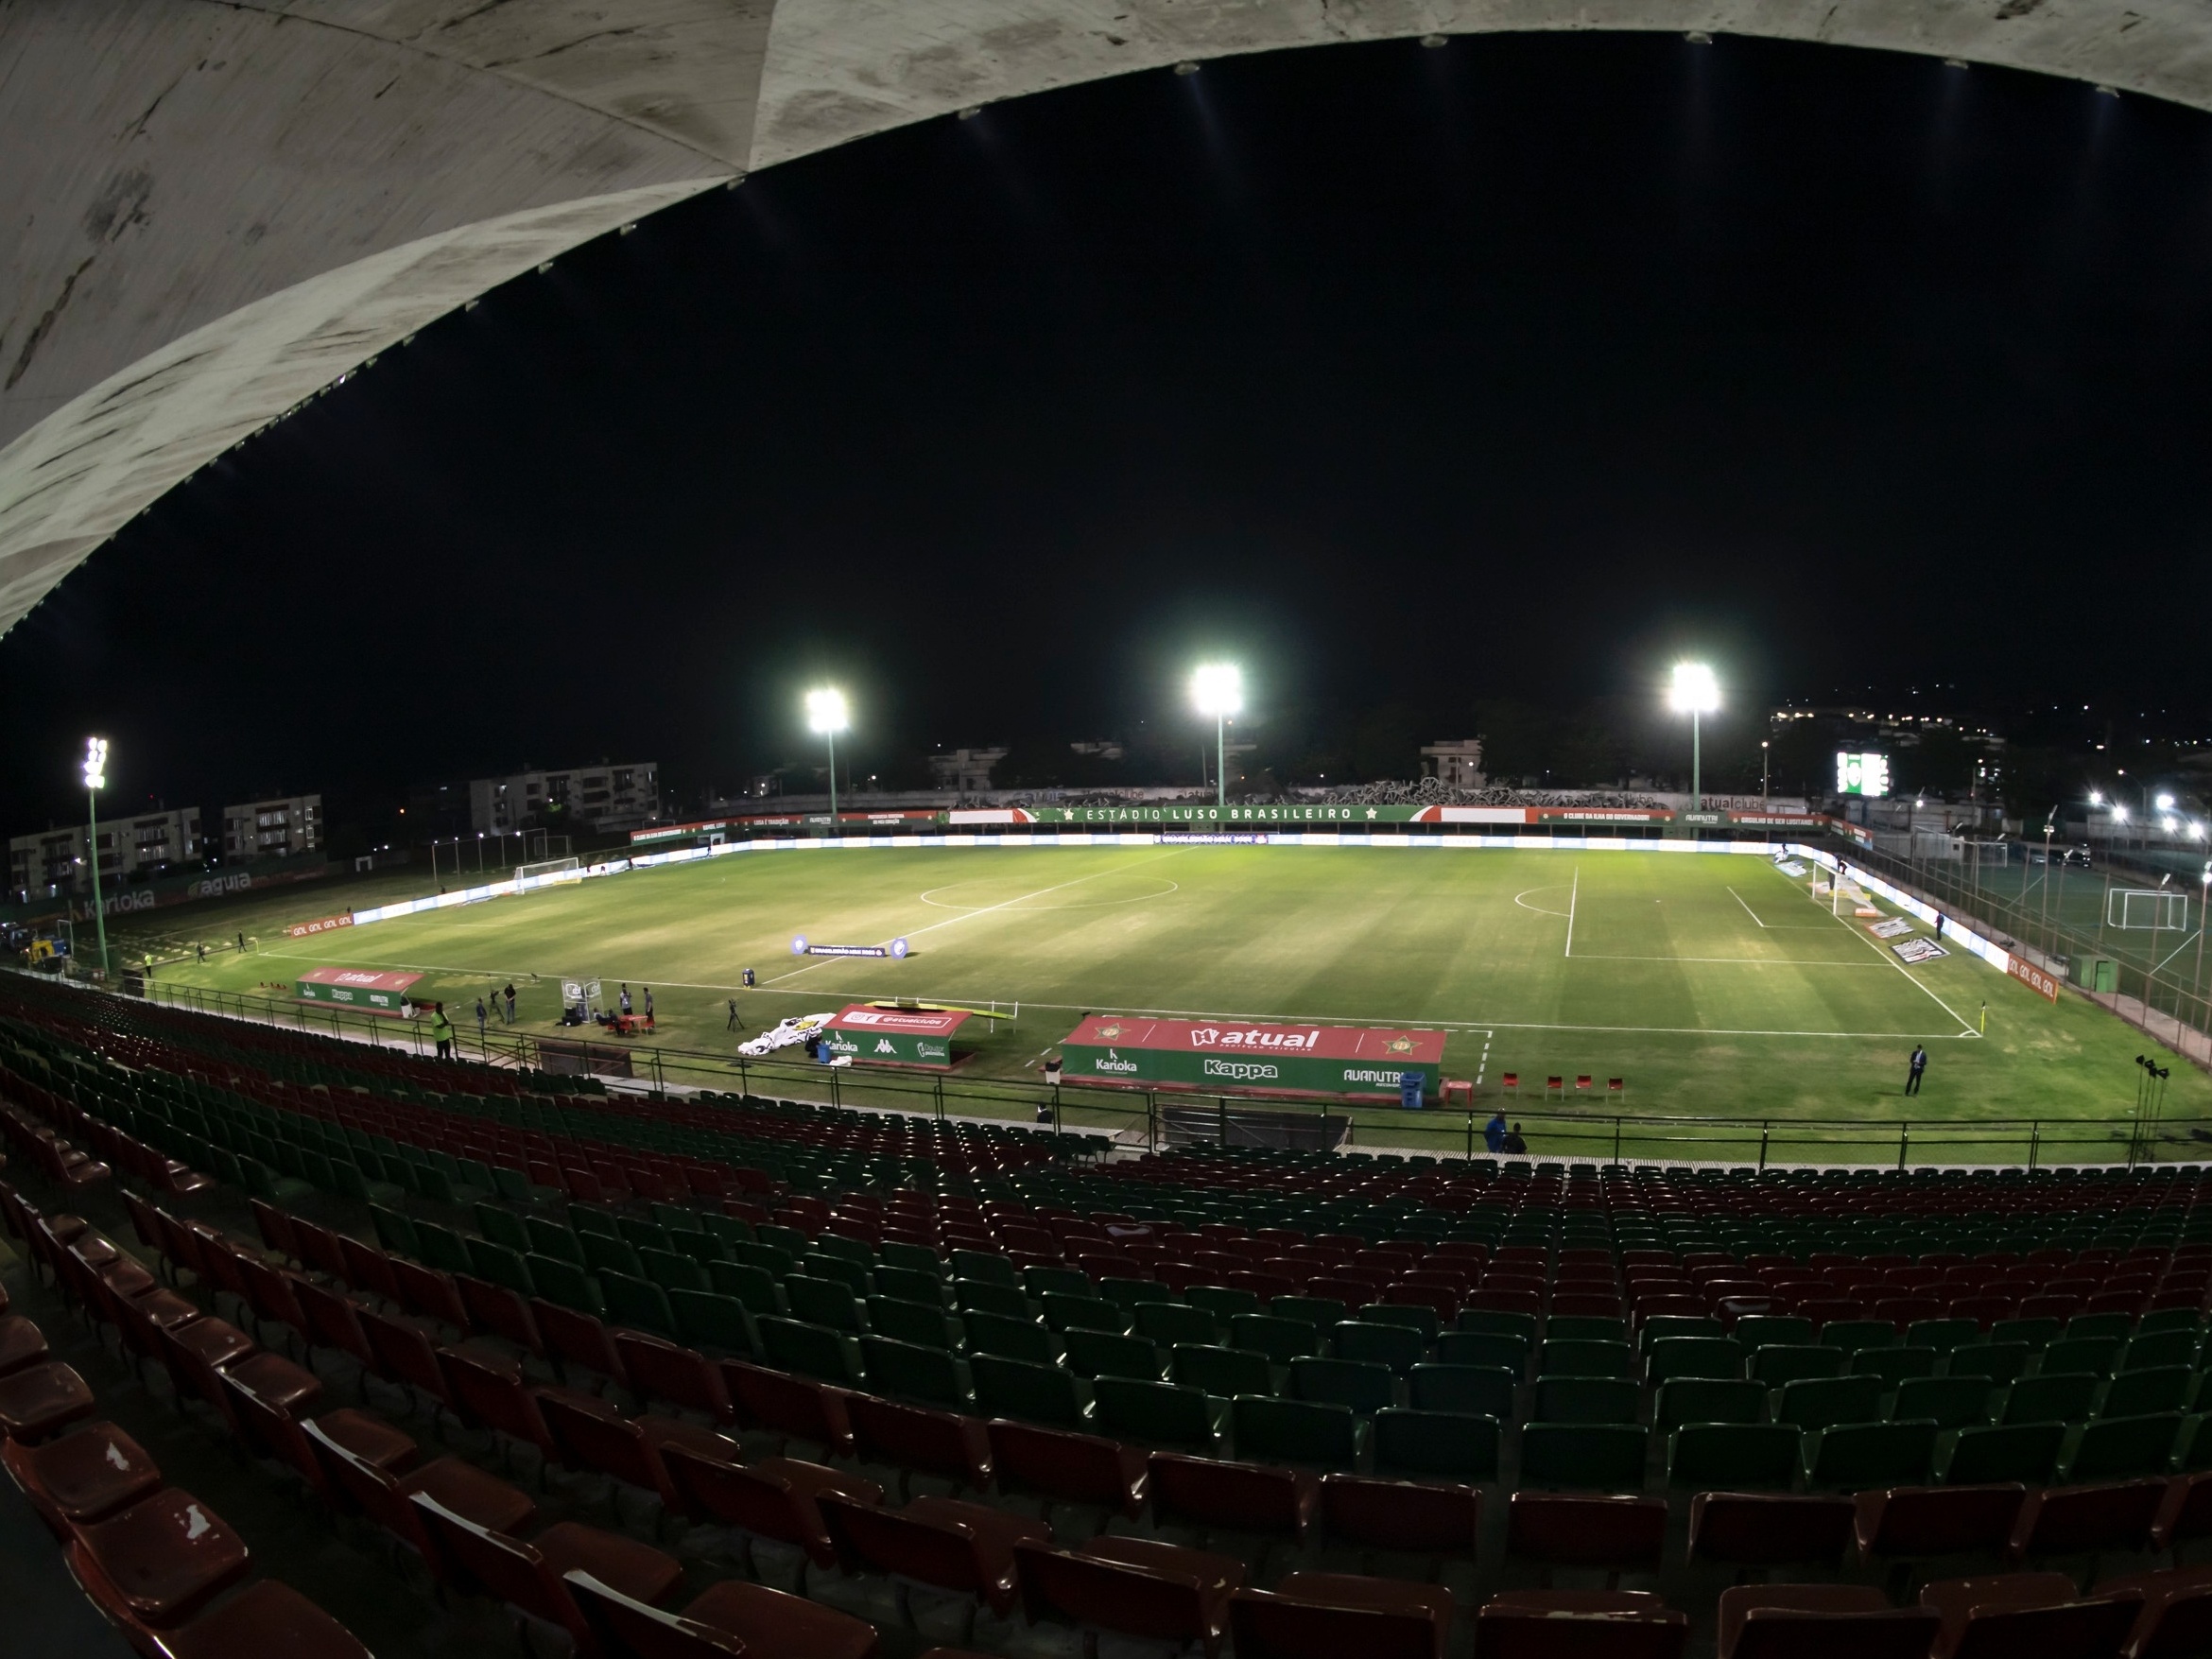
1456	763
967	770
596	798
273	829
54	861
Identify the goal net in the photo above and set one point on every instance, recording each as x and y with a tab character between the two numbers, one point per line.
2146	908
1988	855
548	869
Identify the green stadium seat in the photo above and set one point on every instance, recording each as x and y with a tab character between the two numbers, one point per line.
604	1255
2123	1449
1777	1367
2066	1398
639	1303
792	1242
851	1274
564	1284
1096	1354
1894	1366
2000	1362
552	1239
766	1258
1588	1456
1366	1388
2035	1333
1733	1457
985	1269
1481	1322
1818	1402
851	1250
1573	1359
1167	1324
2164	1321
2160	1349
503	1226
2025	1452
1687	1399
1395	1346
1130	1294
1319	1311
1954	1402
1943	1335
671	1269
715	1324
1221	1371
811	1351
1011	1339
499	1264
441	1248
902	1370
1714	1357
396	1232
1452	1446
1267	1429
909	1284
1413	1317
1157	1413
1003	1301
911	1322
1857	1457
1586	1399
1773	1330
1851	1335
1221	1301
348	1180
1584	1327
1484	1348
820	1302
755	1287
2091	1328
2086	1355
1666	1328
1064	1313
1481	1391
904	1257
1029	1393
2136	1393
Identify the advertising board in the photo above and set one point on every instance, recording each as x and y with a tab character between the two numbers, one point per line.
894	1036
1238	1054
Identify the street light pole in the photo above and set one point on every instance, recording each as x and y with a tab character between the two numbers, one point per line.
826	713
1217	689
1695	692
1764	746
95	777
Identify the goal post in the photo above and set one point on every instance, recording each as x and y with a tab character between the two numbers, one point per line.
547	870
2147	908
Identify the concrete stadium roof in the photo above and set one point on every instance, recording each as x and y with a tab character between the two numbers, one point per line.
221	207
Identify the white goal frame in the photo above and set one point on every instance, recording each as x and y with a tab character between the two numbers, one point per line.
547	870
2144	909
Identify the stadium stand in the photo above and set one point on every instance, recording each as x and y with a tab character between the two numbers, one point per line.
1290	1404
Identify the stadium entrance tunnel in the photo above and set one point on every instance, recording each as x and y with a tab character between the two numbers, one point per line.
246	211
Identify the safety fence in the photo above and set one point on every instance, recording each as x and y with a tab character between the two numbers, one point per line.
1151	1120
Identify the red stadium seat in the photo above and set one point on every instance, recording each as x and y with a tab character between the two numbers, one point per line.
1322	1615
1240	1497
1069	1468
1821	1621
1134	1586
730	1620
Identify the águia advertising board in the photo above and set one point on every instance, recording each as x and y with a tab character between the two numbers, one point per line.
894	1036
356	988
1232	1055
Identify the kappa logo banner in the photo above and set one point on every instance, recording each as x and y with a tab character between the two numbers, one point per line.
1895	927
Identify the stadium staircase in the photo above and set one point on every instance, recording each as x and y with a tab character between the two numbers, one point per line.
939	1377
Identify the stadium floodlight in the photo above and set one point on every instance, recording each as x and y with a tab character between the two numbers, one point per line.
826	713
2120	814
2164	801
1693	692
96	779
1217	689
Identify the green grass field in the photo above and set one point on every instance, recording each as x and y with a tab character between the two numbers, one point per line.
1713	986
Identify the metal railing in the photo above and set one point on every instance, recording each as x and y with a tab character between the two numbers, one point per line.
1134	1117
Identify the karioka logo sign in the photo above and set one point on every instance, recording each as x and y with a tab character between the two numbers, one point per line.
1114	1062
1213	1037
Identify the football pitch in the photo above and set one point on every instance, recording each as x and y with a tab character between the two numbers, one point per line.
1712	986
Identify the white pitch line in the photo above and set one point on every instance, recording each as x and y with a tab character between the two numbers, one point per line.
987	910
1573	891
1741	961
1883	954
1747	909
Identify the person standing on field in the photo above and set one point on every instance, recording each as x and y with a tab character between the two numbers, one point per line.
648	996
510	1002
626	999
1919	1064
483	1018
442	1030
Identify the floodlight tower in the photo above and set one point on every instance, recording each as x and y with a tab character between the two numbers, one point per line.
1693	692
826	713
1217	689
96	779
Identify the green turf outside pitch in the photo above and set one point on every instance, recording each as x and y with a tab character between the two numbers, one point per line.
1713	985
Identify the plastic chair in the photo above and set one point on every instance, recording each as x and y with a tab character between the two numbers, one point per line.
1319	1616
1821	1621
1769	1530
1132	1586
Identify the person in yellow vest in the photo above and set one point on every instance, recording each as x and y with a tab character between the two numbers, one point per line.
442	1030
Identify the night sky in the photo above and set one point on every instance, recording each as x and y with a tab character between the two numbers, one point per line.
1511	369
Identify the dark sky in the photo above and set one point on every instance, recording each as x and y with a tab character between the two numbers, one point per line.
1509	369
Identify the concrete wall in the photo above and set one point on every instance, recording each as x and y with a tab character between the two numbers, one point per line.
213	210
